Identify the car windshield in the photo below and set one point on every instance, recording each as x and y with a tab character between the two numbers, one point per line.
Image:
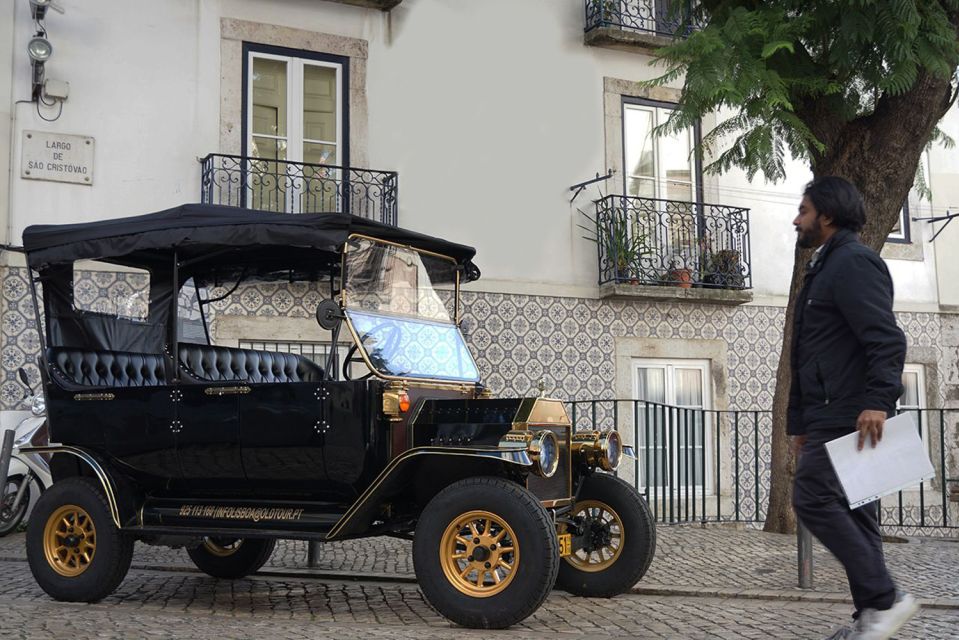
401	304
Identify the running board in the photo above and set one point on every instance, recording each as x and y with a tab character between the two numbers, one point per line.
267	517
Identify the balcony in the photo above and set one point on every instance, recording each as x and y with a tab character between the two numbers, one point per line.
382	5
638	25
673	250
298	187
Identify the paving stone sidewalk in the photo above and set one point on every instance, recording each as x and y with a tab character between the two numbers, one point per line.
714	561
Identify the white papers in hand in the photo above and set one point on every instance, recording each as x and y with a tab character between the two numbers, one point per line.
900	460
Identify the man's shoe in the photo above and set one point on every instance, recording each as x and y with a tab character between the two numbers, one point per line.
881	625
842	633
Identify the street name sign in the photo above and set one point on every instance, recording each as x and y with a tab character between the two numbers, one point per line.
59	157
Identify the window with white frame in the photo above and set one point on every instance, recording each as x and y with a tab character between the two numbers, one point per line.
913	400
656	166
900	231
673	428
661	168
295	116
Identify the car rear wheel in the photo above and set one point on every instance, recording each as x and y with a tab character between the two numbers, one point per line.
485	553
231	558
75	550
617	539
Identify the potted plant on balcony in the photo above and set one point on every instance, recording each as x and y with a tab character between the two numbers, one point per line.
624	248
621	246
726	270
607	10
676	276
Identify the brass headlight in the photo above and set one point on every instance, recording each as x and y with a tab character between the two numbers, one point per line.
603	449
544	450
542	446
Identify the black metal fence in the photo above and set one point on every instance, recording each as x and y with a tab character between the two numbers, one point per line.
672	243
660	17
298	187
701	465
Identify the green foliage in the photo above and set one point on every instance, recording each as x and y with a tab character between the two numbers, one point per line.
622	243
773	68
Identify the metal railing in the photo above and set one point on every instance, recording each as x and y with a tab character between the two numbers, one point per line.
299	187
704	465
674	18
672	243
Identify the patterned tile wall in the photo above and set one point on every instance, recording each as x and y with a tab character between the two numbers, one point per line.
521	341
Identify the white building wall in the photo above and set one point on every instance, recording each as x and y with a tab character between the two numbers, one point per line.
488	111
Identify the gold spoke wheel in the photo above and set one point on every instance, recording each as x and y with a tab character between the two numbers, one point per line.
222	547
479	553
69	540
600	518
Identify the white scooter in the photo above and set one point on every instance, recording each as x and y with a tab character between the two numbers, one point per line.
28	471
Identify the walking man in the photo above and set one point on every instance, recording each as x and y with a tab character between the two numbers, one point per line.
847	360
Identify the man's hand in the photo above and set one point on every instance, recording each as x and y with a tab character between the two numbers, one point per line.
870	424
798	442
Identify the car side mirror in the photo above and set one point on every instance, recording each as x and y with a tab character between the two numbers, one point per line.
22	374
328	314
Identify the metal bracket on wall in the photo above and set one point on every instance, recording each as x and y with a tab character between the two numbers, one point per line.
949	217
578	188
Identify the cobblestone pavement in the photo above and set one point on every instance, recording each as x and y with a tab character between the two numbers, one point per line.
711	582
171	604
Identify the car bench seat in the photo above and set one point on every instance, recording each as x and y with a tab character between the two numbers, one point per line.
205	363
73	367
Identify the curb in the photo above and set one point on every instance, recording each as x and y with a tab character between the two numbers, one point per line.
793	595
787	595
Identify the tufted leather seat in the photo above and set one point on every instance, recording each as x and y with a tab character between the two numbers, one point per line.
226	364
87	368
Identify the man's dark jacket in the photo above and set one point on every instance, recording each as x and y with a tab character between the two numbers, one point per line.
847	351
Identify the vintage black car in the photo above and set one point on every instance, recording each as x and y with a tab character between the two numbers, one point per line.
160	436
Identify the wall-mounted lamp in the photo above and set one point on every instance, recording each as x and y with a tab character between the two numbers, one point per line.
39	49
38	8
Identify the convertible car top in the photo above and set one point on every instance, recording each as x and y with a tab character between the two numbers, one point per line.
207	233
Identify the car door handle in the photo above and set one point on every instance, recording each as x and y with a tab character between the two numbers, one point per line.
94	396
226	391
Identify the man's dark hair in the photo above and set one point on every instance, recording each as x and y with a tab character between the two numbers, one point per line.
837	198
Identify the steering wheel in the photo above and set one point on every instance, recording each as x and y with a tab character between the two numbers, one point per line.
391	335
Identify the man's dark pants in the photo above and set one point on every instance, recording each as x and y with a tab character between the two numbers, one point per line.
851	535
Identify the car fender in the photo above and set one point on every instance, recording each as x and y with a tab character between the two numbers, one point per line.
398	470
99	470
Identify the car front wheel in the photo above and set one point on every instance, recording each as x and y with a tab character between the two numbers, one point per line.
615	539
485	553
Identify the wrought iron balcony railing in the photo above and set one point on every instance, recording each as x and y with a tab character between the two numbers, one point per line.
299	187
673	18
672	243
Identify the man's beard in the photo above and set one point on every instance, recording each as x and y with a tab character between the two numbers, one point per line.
810	238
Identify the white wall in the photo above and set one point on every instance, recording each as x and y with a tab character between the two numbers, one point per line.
489	111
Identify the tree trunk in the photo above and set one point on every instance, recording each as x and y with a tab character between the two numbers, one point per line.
879	154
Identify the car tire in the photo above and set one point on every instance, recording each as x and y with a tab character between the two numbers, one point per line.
10	520
75	550
231	558
496	513
610	506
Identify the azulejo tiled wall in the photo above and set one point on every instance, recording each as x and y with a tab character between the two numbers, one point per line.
520	341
